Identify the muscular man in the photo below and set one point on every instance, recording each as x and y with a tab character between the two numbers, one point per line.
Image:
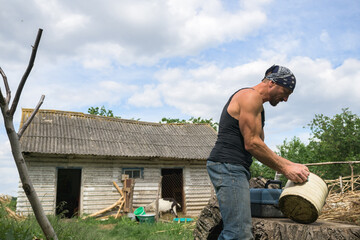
240	137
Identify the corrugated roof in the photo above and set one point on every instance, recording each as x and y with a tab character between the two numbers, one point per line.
61	132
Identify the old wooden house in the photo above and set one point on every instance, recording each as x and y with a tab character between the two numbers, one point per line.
75	157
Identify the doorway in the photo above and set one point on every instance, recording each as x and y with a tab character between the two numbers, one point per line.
172	185
68	192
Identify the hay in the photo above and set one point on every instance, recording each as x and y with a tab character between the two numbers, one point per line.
4	202
298	209
342	207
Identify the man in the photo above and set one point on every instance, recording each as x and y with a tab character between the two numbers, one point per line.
240	137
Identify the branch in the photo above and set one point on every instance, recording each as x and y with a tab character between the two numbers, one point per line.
26	74
2	99
28	121
8	92
328	163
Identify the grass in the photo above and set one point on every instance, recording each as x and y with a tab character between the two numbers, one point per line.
78	229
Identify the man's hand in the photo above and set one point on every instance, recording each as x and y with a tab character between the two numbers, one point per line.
298	173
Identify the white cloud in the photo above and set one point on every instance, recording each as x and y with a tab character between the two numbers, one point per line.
9	178
62	20
202	91
182	56
140	32
5	151
148	98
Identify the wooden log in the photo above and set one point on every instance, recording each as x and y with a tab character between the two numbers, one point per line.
118	202
119	190
209	226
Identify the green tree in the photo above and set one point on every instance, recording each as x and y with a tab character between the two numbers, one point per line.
257	169
332	140
194	120
101	112
296	151
336	139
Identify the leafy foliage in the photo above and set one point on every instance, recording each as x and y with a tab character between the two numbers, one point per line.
258	169
333	139
194	120
101	112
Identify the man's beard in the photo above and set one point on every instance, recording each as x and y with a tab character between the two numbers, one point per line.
274	102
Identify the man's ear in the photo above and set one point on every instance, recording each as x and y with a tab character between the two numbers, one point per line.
271	84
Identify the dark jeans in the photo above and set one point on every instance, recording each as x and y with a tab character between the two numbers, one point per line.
231	183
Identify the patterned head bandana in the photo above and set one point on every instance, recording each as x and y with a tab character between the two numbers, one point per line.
281	76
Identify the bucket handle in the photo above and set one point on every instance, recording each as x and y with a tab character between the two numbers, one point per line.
273	182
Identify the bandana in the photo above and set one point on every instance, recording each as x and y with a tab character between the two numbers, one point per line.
281	76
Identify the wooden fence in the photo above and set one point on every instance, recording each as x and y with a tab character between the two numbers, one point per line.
342	184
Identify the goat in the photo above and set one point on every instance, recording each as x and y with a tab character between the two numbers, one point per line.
165	205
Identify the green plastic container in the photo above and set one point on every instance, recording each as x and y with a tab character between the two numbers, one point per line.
146	218
139	211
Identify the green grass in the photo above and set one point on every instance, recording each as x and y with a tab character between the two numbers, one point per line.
88	229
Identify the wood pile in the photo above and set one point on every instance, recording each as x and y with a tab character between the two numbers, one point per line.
342	207
4	202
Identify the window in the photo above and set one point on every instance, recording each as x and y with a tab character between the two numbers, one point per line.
133	172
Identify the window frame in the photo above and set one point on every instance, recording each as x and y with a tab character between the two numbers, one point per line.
141	170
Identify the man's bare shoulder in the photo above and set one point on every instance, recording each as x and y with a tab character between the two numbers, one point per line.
248	97
246	100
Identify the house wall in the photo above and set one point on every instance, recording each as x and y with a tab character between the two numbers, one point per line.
97	190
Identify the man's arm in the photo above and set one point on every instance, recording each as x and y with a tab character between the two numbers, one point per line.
250	105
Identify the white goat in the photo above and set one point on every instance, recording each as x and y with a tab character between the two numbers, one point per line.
165	205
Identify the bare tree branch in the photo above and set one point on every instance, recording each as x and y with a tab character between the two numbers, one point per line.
2	99
8	92
28	121
17	151
26	74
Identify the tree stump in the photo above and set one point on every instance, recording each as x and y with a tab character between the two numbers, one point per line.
284	228
209	226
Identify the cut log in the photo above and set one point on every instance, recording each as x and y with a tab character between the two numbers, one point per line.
209	226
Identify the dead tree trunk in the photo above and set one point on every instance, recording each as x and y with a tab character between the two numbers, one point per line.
14	138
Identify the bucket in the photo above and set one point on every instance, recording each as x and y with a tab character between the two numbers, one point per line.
302	202
139	211
146	218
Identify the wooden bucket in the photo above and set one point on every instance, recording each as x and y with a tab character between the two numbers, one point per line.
302	202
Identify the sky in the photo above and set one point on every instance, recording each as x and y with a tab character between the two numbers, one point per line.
149	59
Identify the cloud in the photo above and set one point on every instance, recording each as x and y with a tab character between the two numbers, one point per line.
148	98
9	180
182	57
62	19
140	32
202	91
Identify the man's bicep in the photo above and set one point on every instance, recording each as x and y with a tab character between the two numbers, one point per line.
250	122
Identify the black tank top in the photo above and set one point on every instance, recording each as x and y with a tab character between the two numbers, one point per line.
229	146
